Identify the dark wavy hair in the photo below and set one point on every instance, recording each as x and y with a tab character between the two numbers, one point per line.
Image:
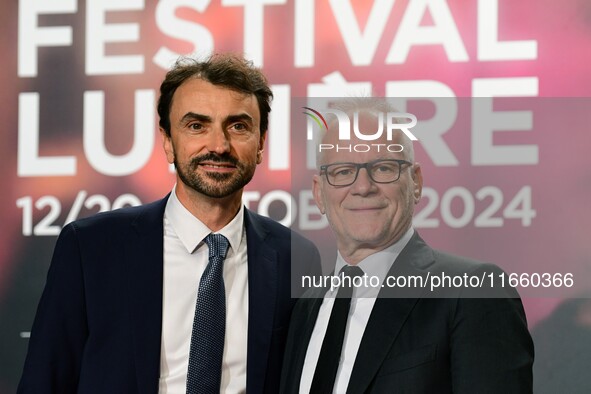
228	70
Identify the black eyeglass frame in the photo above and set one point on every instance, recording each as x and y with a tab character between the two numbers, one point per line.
367	166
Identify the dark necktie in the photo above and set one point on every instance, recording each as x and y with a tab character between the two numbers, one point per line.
330	353
209	325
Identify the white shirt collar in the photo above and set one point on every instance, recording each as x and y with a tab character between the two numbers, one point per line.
377	264
191	231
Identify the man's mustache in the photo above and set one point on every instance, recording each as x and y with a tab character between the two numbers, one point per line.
216	158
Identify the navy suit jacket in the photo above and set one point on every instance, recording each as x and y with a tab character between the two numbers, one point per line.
98	324
415	341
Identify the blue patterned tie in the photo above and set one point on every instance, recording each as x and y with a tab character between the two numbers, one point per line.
209	325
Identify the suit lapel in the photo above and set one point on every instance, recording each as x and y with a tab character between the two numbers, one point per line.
300	331
389	313
262	291
144	259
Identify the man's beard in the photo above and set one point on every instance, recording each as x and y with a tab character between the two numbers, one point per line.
215	184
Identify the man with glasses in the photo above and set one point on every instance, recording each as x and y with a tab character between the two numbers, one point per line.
383	338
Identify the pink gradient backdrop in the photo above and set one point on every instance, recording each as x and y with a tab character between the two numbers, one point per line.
561	183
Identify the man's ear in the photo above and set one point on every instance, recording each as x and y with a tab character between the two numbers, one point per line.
167	145
317	191
417	178
261	148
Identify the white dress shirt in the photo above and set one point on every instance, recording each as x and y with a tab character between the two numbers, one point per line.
185	259
362	302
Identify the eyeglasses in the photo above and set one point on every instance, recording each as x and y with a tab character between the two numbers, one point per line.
380	171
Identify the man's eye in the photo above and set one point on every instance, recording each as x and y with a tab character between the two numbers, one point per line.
195	126
342	171
384	169
239	127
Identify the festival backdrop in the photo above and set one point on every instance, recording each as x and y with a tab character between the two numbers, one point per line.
499	87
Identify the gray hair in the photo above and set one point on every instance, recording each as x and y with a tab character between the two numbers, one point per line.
369	105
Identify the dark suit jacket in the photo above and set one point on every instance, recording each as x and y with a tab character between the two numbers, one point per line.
98	324
430	343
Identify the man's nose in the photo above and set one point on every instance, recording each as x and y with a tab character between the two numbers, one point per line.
363	185
218	141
